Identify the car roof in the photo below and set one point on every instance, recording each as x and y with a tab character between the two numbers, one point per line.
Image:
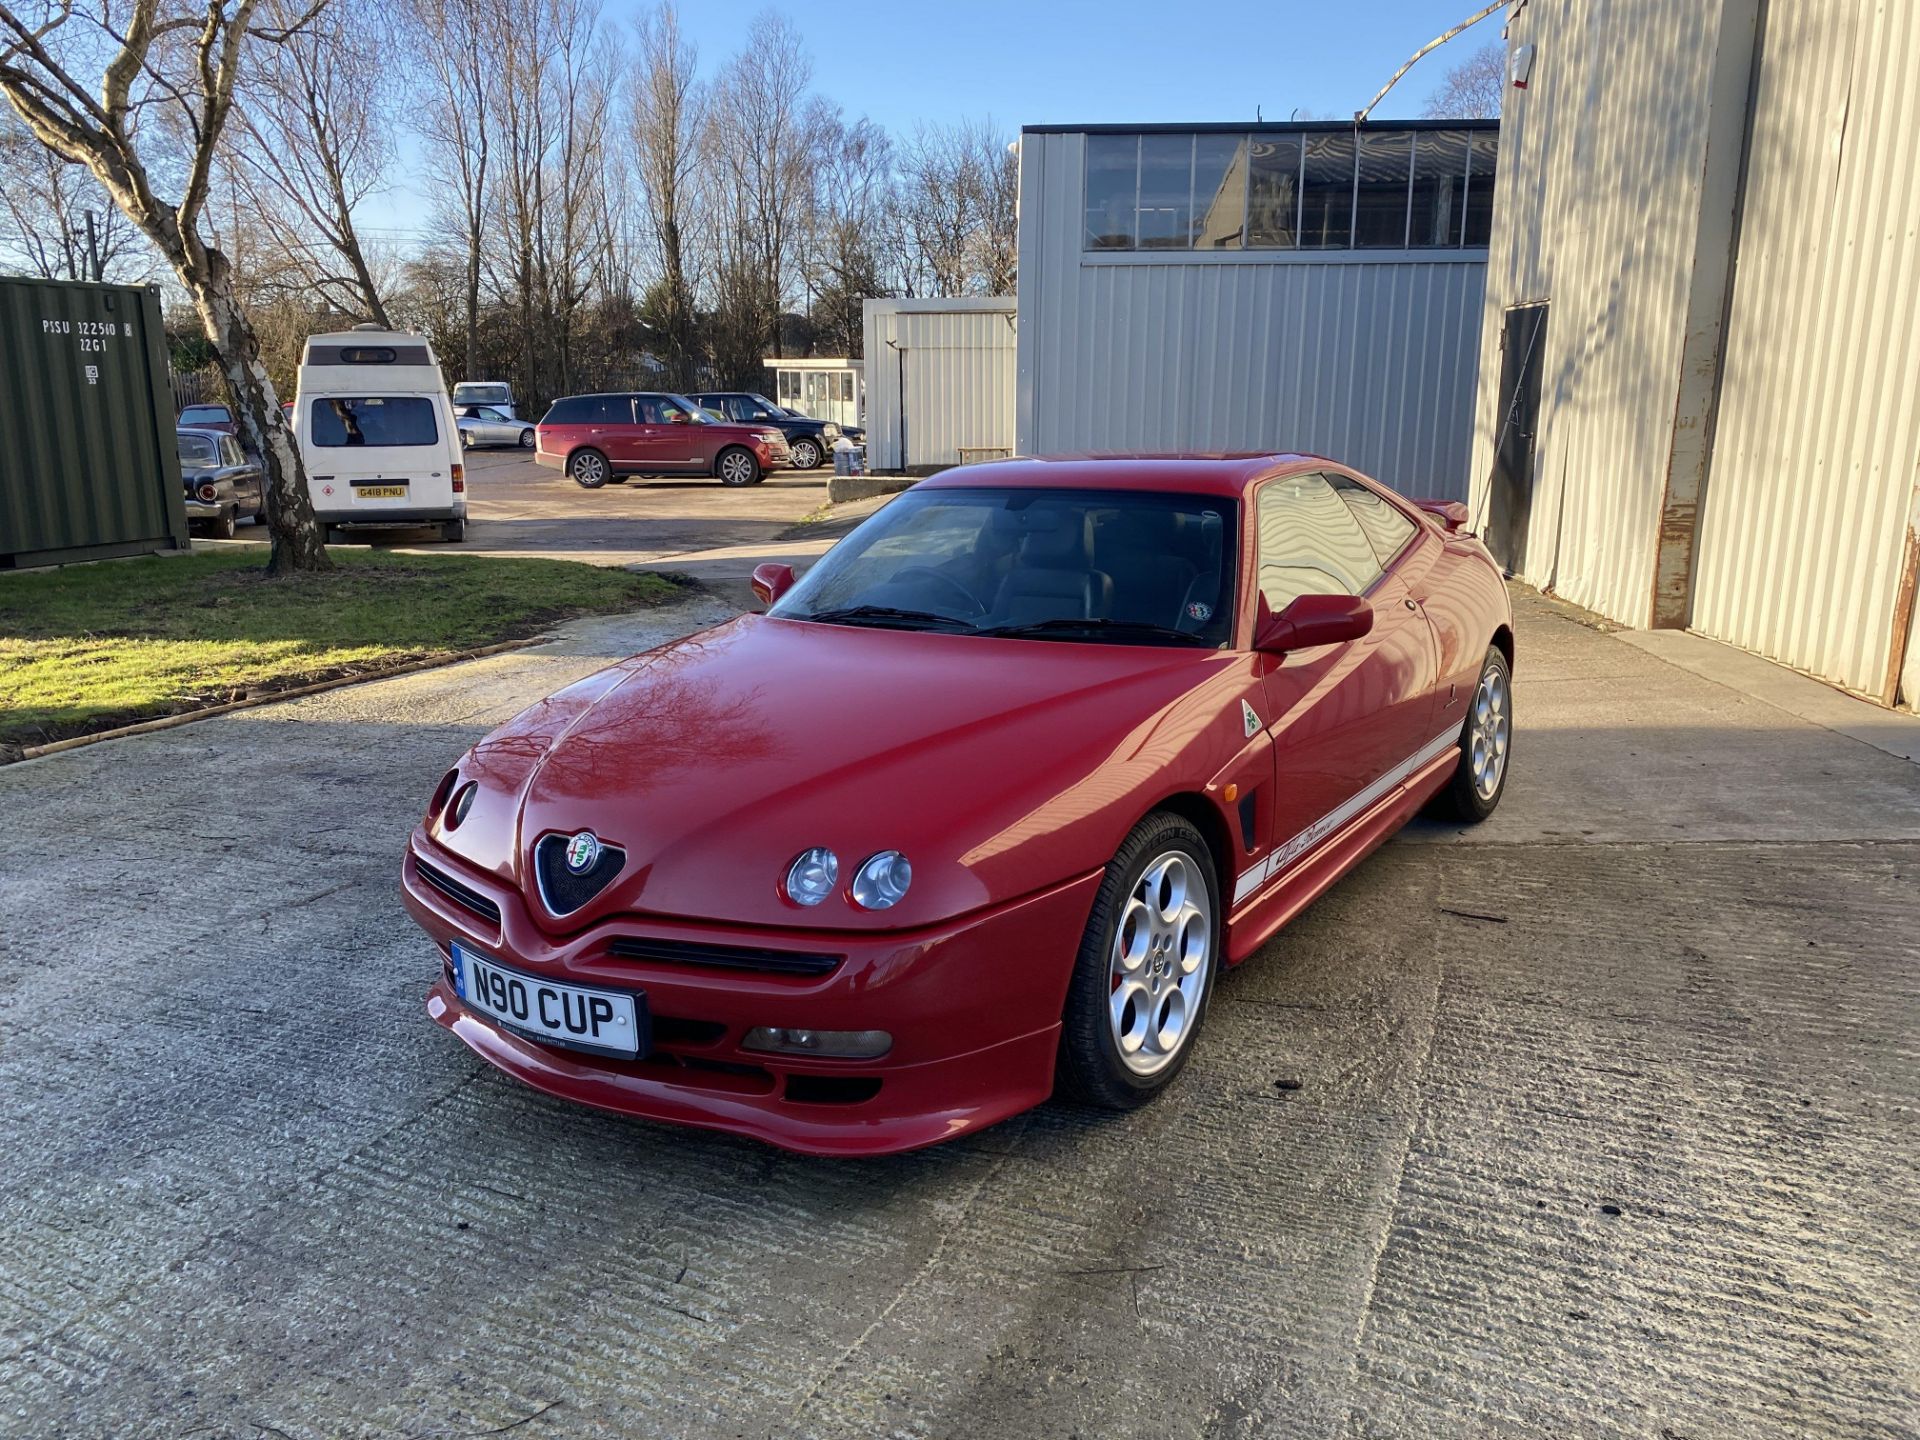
1217	474
201	431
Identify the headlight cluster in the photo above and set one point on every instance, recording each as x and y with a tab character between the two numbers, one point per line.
879	884
830	431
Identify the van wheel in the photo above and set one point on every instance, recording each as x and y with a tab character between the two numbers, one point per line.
736	466
589	469
453	531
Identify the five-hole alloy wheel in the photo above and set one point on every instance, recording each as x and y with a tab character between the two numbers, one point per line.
737	467
1486	745
1145	969
806	454
589	468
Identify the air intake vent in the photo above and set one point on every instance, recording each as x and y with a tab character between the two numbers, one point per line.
727	957
462	895
563	889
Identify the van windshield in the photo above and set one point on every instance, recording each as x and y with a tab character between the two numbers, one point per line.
374	420
481	392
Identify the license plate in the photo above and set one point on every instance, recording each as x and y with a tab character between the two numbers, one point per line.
379	492
607	1022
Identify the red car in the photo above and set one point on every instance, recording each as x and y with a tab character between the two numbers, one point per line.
597	438
979	808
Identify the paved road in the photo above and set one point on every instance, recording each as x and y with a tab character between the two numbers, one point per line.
516	507
1605	1126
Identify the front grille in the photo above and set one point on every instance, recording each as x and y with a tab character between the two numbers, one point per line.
462	895
564	890
726	957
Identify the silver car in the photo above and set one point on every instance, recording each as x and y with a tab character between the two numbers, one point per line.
484	425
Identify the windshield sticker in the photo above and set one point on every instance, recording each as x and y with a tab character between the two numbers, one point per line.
1200	610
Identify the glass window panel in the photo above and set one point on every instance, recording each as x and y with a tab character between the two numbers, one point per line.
1439	187
1380	207
1166	192
373	420
1273	202
1219	192
1112	177
1326	220
1310	543
1486	154
1387	529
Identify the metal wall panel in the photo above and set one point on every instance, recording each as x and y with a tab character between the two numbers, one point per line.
1596	211
89	468
1811	493
956	358
1364	357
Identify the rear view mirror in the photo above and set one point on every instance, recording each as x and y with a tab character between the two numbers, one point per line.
1311	620
771	581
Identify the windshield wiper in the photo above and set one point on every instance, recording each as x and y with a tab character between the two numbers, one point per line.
1115	629
887	617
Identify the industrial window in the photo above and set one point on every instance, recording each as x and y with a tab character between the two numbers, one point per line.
1484	153
1341	189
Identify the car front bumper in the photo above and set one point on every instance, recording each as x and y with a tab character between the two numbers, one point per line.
973	1007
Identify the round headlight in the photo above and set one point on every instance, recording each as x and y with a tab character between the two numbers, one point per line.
811	878
881	881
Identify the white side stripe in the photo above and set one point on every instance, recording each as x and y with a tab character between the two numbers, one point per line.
1284	855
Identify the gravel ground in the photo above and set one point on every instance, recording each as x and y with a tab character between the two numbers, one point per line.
1598	1120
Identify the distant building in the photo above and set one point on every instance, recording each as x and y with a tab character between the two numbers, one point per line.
1697	401
1254	287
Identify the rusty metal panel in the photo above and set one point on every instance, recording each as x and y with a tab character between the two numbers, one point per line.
1365	356
939	379
89	468
1805	539
1596	213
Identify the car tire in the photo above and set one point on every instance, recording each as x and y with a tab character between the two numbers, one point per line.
1486	746
589	469
453	531
736	465
806	455
1147	962
225	527
526	439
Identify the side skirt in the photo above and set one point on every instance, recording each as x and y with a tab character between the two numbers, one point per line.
1257	921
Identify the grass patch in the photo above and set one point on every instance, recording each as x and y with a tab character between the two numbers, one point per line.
95	646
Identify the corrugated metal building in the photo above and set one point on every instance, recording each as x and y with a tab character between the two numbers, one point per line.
939	381
1233	287
1698	377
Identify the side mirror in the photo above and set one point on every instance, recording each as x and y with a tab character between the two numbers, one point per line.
771	581
1311	620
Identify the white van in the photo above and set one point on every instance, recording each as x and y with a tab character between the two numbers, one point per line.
377	433
494	394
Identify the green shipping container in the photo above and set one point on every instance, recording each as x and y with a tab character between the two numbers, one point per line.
88	466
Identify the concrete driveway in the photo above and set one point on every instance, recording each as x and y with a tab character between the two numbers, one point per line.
1598	1120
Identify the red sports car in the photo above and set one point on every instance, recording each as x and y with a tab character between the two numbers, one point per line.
977	810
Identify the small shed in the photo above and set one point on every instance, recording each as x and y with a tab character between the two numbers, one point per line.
89	470
824	388
939	381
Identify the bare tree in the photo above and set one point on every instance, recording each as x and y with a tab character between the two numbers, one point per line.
55	217
314	140
1473	89
853	195
184	63
668	114
456	80
959	188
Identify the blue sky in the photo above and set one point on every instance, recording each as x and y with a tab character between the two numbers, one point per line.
1042	62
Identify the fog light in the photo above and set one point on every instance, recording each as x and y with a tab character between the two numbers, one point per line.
836	1044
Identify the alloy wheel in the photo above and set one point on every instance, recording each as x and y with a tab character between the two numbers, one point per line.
589	469
736	467
1491	729
1157	967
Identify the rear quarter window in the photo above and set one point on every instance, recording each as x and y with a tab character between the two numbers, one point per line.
374	421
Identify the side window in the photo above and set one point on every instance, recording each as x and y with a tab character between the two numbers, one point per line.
1386	528
1309	543
231	449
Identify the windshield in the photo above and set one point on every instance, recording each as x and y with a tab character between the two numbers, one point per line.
204	415
1077	565
480	392
374	420
196	450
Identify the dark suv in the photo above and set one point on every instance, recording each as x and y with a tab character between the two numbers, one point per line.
810	440
597	438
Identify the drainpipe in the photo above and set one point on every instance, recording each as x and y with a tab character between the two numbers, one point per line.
900	360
